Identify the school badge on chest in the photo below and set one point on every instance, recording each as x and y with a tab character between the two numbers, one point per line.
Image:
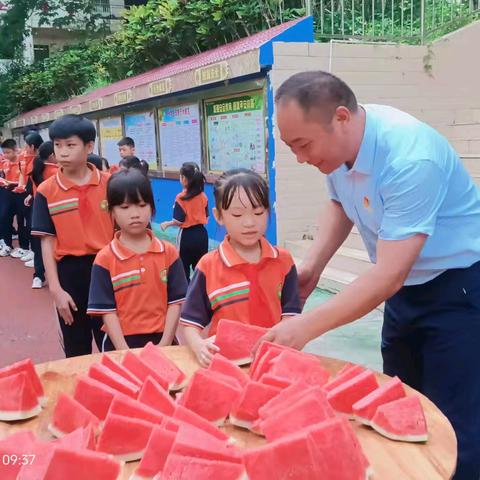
104	205
279	291
366	204
163	276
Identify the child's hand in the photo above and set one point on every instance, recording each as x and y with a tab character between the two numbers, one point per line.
204	350
28	201
65	305
164	225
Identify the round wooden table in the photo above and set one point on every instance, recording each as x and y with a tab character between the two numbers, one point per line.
433	460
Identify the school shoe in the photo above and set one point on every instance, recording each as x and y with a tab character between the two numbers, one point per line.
5	251
18	253
28	256
29	264
37	283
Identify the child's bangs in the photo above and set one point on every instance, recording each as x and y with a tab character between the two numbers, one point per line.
255	189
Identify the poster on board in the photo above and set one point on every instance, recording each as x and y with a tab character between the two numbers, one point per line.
180	136
236	133
141	127
44	134
110	133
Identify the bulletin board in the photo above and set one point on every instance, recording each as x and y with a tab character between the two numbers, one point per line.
44	134
236	132
110	133
141	127
180	135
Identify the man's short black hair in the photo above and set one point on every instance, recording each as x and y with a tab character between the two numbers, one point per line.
126	141
70	125
34	139
9	143
318	93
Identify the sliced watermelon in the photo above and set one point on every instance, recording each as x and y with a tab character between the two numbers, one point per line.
20	442
185	415
254	396
192	442
236	340
94	396
223	365
80	438
124	437
179	467
117	382
344	375
128	407
81	464
274	381
156	397
36	468
402	420
313	408
28	367
365	409
336	451
265	352
120	369
156	359
69	415
346	394
156	453
296	366
18	398
141	370
210	396
284	399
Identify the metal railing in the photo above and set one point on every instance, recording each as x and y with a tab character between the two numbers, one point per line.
412	21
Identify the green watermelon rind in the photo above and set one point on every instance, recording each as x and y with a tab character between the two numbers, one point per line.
400	438
13	416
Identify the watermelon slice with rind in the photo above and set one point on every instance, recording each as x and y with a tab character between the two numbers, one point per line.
254	396
179	467
20	442
28	367
114	380
124	437
156	453
80	438
274	381
18	398
402	420
260	365
343	376
364	409
81	465
209	395
284	399
156	359
153	395
69	415
185	415
94	396
236	340
223	365
116	367
127	407
141	370
313	408
346	394
36	468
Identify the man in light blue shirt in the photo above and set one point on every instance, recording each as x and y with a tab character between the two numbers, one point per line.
418	212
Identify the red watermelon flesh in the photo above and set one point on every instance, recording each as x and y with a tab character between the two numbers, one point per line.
402	420
313	408
112	379
295	390
128	407
82	438
336	453
345	395
275	381
156	453
28	367
254	396
299	366
18	398
20	442
365	409
94	396
179	467
69	415
226	367
210	396
289	458
236	340
343	376
264	347
124	437
81	465
141	370
192	442
156	359
153	395
119	369
185	415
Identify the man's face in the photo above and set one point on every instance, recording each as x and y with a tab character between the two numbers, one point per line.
322	145
126	151
10	154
